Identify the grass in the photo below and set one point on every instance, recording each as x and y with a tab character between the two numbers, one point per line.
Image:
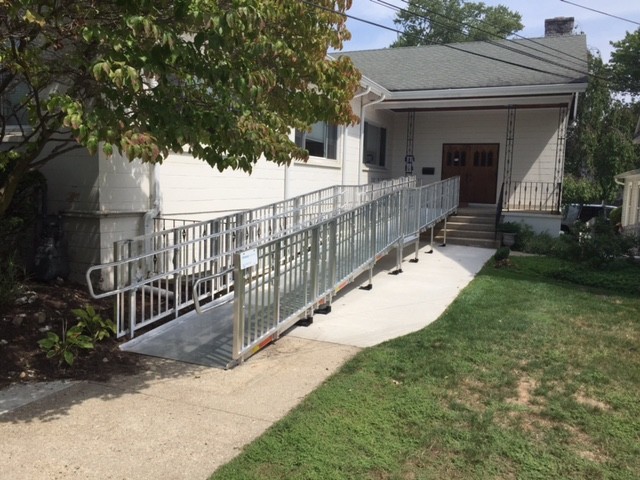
524	376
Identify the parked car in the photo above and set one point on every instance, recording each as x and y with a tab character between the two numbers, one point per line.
575	212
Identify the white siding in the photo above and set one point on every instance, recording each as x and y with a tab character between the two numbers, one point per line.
535	141
534	152
189	187
124	185
72	182
433	129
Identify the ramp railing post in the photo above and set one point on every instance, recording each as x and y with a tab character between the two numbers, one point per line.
238	307
177	278
373	221
418	224
315	255
402	204
276	280
333	250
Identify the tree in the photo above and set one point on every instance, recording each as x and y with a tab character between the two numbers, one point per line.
427	22
226	78
625	63
599	145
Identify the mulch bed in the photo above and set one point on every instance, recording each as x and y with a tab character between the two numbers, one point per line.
41	307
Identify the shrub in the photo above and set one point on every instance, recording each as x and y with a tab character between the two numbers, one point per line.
598	244
615	217
509	227
65	348
541	244
9	282
93	324
90	328
580	190
502	254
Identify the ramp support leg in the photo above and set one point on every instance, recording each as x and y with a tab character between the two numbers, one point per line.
415	258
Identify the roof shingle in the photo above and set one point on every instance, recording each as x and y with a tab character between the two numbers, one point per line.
500	63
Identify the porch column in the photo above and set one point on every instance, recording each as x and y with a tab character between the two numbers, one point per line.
508	155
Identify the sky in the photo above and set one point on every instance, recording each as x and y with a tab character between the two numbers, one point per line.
600	29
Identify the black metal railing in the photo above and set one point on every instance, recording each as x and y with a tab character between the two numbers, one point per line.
499	209
531	196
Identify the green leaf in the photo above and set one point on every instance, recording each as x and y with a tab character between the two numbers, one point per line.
68	357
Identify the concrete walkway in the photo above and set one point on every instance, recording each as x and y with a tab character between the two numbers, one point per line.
180	421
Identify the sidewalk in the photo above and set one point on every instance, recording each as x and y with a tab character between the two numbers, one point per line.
181	421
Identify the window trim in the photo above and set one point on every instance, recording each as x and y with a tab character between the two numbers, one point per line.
326	162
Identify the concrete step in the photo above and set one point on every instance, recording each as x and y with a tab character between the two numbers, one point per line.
472	219
475	242
473	226
467	234
478	211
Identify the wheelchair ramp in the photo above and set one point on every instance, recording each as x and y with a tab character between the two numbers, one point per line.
202	339
217	292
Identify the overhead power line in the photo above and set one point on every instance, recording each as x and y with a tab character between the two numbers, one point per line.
601	12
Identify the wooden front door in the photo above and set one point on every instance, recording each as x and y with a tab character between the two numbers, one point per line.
477	166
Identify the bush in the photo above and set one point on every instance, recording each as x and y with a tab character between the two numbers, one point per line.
10	284
540	244
580	190
509	227
597	245
615	217
502	254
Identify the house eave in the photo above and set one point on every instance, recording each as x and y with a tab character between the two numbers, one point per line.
375	87
630	174
487	92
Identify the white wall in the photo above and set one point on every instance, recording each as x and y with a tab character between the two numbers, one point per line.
534	152
72	182
191	189
534	149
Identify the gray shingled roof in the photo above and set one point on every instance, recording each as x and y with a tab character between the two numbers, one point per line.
539	61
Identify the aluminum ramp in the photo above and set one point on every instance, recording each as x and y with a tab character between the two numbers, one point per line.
271	281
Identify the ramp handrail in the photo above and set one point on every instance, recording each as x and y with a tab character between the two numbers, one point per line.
294	275
153	275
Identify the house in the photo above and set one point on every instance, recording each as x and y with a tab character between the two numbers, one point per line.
494	113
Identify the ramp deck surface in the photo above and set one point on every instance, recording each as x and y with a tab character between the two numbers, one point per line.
202	339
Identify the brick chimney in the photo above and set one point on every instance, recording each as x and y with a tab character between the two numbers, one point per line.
559	26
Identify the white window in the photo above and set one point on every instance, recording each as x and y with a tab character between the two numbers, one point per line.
321	141
375	145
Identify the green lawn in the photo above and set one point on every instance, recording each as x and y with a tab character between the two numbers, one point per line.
524	376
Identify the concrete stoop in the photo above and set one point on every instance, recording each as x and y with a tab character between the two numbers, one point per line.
471	226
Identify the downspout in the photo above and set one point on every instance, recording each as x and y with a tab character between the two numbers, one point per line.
575	106
286	181
149	217
363	106
344	140
154	194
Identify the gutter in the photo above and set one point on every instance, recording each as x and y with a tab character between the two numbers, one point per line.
154	192
451	93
